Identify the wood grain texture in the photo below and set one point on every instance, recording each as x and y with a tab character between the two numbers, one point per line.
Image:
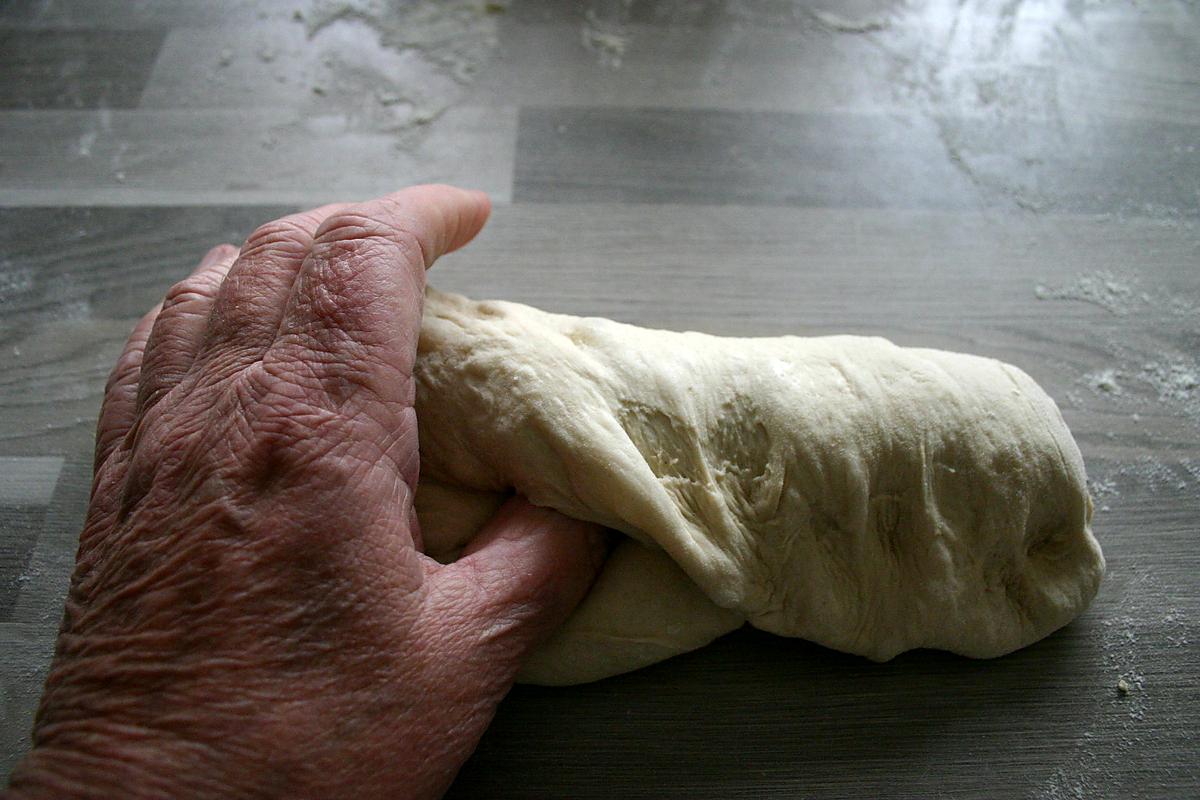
789	62
75	69
721	157
850	160
929	172
269	155
133	14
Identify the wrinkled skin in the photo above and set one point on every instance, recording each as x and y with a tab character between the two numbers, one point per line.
251	614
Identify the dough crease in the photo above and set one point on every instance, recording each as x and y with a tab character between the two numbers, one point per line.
867	497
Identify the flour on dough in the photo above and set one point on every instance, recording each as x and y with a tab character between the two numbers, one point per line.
868	497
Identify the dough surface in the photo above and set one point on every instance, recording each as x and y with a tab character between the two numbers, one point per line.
867	497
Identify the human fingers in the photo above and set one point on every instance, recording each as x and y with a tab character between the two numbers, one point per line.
179	329
517	581
353	319
249	305
120	392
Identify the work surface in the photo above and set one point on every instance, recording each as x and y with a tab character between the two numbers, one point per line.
1019	180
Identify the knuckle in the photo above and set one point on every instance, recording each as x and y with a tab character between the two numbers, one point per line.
412	245
152	390
158	452
359	232
128	366
189	291
281	235
349	226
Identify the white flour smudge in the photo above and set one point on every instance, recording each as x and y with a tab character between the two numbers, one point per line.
1104	381
1177	382
416	62
1152	365
1123	700
605	32
1111	292
836	22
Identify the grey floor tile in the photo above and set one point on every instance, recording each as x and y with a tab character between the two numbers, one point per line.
128	14
19	529
27	651
678	12
270	155
43	588
78	265
72	281
26	488
1123	166
724	157
350	62
916	62
721	67
856	160
1040	109
747	270
75	68
28	480
52	380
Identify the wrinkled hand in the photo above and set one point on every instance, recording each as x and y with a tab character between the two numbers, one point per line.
251	613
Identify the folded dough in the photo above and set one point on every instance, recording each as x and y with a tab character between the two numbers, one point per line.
868	497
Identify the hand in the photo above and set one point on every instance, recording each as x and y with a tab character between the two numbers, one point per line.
251	613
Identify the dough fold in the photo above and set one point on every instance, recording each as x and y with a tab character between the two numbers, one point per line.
868	497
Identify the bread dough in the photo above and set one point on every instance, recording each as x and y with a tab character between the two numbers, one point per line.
868	497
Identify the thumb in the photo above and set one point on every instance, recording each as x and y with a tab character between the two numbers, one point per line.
518	580
441	218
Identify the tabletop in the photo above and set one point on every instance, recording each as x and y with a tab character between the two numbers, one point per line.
1010	178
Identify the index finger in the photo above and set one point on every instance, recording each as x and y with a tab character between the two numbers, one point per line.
354	315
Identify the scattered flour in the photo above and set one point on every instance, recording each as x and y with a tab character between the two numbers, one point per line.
1121	654
1104	381
836	22
606	33
1128	697
456	36
1112	293
1176	381
1175	622
14	280
417	61
1118	294
86	141
1146	473
1171	381
1102	487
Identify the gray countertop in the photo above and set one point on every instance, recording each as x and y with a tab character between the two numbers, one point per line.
1014	179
